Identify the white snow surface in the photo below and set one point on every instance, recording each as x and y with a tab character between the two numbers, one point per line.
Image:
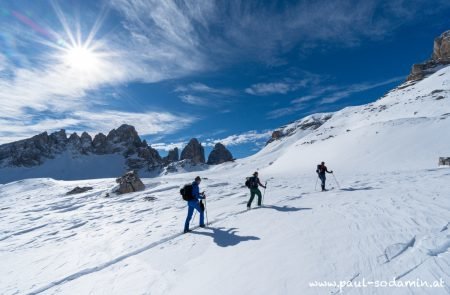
387	218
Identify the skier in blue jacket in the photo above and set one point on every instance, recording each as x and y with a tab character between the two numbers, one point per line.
196	204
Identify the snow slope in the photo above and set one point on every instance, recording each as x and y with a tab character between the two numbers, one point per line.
68	166
389	218
378	227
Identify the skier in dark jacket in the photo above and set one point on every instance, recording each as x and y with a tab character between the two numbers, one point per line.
254	190
195	204
321	169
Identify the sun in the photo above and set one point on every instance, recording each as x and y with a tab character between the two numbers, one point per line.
81	58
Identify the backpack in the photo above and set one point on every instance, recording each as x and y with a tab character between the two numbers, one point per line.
186	192
251	182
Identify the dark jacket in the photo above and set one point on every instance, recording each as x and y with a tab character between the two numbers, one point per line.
321	169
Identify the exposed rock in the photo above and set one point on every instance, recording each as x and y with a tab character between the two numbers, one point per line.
220	154
309	123
130	182
124	140
85	143
32	151
147	157
194	151
124	137
441	48
100	145
172	156
277	134
79	190
439	58
74	141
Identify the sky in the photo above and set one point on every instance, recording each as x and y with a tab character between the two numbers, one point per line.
220	71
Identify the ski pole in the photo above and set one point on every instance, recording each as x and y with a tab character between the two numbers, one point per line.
265	185
206	213
336	181
317	180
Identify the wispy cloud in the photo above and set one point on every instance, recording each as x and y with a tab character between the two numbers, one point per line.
195	100
328	94
48	93
296	80
202	88
160	40
146	123
161	146
356	88
203	94
268	88
238	139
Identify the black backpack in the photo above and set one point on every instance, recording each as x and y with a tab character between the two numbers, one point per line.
251	182
247	182
186	192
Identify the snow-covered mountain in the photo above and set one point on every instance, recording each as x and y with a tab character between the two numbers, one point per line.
386	220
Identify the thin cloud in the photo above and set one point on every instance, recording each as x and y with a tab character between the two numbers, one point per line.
297	80
204	95
356	88
194	100
238	139
268	88
147	123
168	146
327	95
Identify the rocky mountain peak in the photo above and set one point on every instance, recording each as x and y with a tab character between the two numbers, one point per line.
193	151
124	134
124	140
439	58
220	154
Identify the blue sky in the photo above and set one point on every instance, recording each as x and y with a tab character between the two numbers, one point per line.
229	71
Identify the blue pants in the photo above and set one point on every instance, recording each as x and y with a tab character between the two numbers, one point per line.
191	206
322	178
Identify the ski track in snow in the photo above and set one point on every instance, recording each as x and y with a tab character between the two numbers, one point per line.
357	209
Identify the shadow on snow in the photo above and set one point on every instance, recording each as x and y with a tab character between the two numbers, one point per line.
284	208
352	189
225	237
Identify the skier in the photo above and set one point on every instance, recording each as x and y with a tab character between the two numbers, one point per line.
195	204
253	183
321	169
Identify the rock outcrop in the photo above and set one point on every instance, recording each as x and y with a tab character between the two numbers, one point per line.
440	57
172	156
79	190
194	151
130	182
220	154
306	124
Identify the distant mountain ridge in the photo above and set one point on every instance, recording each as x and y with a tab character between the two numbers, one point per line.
36	150
63	153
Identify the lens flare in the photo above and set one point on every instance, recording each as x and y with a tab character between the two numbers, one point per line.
81	58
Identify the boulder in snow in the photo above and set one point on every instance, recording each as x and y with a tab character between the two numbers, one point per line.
79	190
130	182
